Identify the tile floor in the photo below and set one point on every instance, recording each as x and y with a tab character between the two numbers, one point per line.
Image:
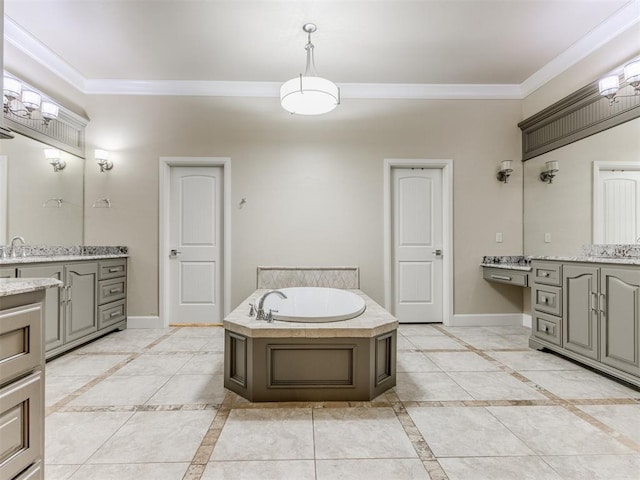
471	403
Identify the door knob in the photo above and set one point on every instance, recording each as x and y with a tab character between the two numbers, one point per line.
174	252
437	253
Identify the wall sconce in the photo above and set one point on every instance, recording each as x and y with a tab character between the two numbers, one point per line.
505	171
610	85
550	170
53	157
102	157
23	102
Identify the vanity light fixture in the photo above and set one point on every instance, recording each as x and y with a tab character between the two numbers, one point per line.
550	170
609	86
309	94
53	157
505	171
23	101
102	157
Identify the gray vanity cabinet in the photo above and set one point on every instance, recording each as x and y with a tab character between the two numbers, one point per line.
80	304
580	315
620	318
599	322
54	327
7	272
91	303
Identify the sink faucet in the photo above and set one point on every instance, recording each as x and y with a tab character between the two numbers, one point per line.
260	313
12	248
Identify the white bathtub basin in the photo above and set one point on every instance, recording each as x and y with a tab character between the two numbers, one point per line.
314	304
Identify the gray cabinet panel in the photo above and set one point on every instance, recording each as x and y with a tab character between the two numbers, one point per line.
620	318
7	272
80	307
580	327
54	328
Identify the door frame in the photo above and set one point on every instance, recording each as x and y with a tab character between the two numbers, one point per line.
446	165
596	194
163	224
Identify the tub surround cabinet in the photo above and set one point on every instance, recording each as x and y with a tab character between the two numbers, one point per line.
590	312
22	315
91	302
348	360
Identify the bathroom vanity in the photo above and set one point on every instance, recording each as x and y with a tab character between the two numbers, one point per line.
92	299
22	315
588	309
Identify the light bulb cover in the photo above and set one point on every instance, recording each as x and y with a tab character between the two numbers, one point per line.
609	85
31	100
305	95
49	110
632	72
12	88
101	154
51	153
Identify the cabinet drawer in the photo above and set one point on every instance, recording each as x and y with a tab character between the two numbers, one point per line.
546	327
504	275
111	313
112	269
111	290
547	273
547	299
20	340
21	420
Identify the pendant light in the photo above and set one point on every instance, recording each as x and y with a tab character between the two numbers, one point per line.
309	94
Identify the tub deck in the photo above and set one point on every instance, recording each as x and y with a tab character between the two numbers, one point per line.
347	360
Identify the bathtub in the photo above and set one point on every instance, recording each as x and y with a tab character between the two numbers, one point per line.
314	304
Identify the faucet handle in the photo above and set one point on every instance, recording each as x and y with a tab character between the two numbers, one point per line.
269	317
252	310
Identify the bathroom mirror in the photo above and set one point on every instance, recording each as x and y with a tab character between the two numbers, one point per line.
558	216
43	206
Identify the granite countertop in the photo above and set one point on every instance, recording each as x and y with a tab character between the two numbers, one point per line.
589	259
374	321
14	286
507	262
49	253
58	258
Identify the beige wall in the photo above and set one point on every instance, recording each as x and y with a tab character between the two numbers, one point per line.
313	185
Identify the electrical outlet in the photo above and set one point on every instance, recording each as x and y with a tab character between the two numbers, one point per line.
498	237
547	238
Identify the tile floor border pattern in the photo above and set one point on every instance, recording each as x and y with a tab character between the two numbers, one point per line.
62	404
390	399
554	399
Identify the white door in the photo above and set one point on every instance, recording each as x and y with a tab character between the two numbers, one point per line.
417	244
619	205
195	223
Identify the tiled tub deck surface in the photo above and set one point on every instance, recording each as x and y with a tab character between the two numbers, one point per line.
471	403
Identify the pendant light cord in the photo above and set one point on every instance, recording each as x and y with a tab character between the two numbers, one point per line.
311	64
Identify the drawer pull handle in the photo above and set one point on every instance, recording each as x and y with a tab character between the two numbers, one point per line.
501	277
545	274
114	314
114	270
114	290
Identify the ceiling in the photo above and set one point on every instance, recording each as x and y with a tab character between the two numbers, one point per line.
486	42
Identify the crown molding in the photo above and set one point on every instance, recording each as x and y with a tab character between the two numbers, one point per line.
616	24
272	89
622	20
38	51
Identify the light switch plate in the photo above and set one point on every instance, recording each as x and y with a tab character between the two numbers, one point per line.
547	238
498	237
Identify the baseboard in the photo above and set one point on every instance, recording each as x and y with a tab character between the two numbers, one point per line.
144	322
487	320
527	320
